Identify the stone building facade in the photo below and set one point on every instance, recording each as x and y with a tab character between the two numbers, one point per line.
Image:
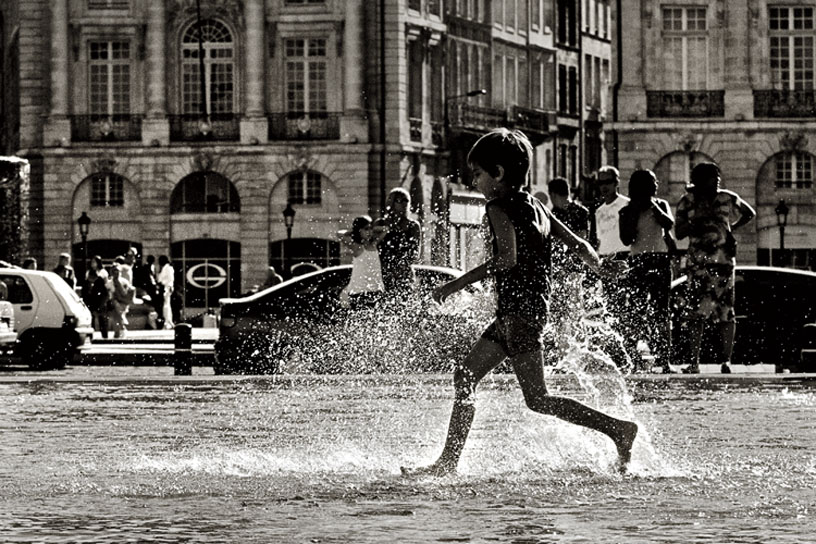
733	83
324	105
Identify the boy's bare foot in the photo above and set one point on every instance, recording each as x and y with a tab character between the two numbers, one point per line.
436	470
624	441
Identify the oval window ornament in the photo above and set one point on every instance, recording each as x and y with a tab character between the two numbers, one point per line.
206	276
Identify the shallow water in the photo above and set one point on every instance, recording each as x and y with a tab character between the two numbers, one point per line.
316	459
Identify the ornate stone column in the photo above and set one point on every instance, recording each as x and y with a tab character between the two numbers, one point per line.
57	129
253	127
352	123
155	128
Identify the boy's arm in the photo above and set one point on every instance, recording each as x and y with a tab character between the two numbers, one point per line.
585	250
504	258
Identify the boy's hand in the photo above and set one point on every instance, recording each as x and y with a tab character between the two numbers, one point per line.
612	267
441	292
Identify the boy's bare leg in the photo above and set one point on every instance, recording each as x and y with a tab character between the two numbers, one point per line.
484	356
530	375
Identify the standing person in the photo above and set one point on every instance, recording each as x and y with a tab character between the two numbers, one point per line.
65	271
121	293
166	280
95	294
645	226
272	277
145	279
565	209
522	229
365	288
399	248
704	216
609	246
126	269
567	305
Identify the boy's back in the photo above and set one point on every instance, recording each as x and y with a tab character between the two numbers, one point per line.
525	288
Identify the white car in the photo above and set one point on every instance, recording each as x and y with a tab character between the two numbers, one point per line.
8	335
52	322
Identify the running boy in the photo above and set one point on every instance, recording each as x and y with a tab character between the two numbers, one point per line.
522	229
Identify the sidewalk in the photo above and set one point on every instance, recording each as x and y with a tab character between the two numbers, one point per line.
163	336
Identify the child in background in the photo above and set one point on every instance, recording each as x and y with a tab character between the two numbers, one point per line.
365	288
522	229
645	226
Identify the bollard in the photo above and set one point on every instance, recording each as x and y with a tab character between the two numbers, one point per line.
183	344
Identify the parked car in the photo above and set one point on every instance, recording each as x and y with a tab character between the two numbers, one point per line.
776	310
8	333
52	322
304	325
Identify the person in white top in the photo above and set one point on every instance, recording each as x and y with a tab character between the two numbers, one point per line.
607	214
166	279
606	235
366	286
645	224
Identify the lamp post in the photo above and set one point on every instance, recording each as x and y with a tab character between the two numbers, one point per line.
84	223
289	221
782	221
469	94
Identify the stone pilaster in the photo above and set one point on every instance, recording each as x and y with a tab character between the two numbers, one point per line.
254	125
155	128
352	123
57	130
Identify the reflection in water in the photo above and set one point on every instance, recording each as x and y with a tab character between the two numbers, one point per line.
317	457
314	457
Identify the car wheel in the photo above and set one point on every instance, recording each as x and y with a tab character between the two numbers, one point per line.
44	352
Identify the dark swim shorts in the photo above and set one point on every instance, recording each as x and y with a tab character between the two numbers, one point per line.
516	334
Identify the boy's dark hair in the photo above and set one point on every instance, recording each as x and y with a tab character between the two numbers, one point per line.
359	224
559	186
642	184
509	149
704	170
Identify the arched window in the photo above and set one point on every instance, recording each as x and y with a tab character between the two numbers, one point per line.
305	187
107	190
205	192
219	68
794	170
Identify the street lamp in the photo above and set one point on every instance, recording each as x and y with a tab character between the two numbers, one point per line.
782	220
84	223
289	219
469	94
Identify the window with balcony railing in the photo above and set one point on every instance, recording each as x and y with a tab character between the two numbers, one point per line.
109	78
306	69
685	48
219	69
791	35
792	64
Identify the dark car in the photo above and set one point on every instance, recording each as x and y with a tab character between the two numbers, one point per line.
304	325
776	310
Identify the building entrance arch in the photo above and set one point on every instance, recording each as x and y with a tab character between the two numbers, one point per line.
206	270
